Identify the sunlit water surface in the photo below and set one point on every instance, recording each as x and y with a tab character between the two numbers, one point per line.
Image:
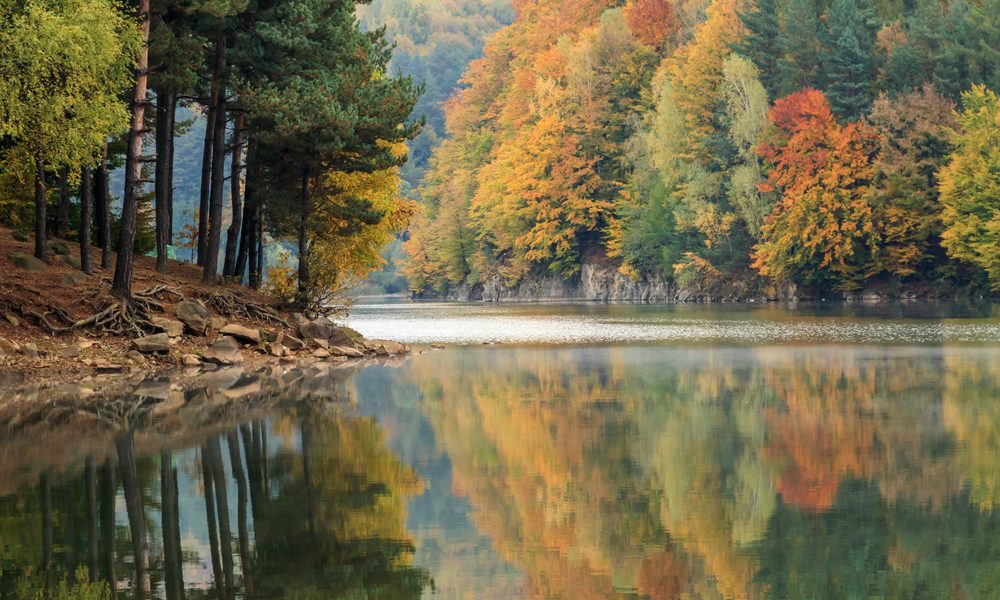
721	453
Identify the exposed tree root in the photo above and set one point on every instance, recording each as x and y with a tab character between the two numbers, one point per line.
115	317
230	305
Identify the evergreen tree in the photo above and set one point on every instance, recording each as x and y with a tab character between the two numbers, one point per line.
762	42
798	66
848	66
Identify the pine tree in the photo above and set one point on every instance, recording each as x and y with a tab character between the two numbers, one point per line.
762	43
848	69
798	66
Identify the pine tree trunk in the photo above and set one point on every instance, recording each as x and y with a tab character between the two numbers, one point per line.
171	127
41	243
206	173
102	205
164	99
305	210
62	207
122	284
211	273
125	445
86	216
236	225
247	230
256	283
208	479
93	551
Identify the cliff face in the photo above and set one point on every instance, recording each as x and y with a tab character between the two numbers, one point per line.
603	282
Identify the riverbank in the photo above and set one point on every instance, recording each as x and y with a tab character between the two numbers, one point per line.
51	320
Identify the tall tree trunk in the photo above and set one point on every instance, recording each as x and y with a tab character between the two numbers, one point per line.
125	445
208	479
122	284
69	532
62	207
306	213
41	243
236	225
222	509
248	226
171	127
108	489
102	204
45	500
207	159
211	272
93	549
86	216
164	100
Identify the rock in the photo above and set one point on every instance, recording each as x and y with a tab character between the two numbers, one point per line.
152	344
27	262
243	334
29	350
320	329
86	344
194	315
21	236
298	321
225	351
68	352
219	323
393	348
8	347
136	357
14	321
75	278
321	353
344	336
58	247
70	260
171	327
320	344
437	346
190	360
346	351
275	349
292	343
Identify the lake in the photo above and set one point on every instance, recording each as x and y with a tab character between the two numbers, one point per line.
585	451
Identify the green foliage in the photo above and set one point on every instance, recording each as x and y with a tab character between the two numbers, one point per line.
970	187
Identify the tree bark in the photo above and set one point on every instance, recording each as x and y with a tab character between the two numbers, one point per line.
236	224
93	551
306	212
248	226
62	208
108	489
236	461
222	509
164	100
171	127
173	576
211	273
86	216
122	284
259	271
69	533
41	243
207	159
102	204
208	478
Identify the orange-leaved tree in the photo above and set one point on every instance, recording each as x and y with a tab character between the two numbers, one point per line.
821	230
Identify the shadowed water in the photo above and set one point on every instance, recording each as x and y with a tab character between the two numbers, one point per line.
725	467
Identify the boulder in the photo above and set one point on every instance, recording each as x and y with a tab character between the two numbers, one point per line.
21	236
321	353
393	348
320	344
69	351
136	357
151	344
190	360
75	278
194	315
275	349
8	347
298	321
171	327
14	321
243	334
225	351
346	351
343	337
70	260
27	262
320	329
292	343
58	247
29	350
219	322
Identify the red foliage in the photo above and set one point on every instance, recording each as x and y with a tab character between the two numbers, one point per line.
651	21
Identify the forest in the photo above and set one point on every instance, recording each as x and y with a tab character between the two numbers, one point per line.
306	132
723	144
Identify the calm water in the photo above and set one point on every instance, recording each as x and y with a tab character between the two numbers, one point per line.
720	454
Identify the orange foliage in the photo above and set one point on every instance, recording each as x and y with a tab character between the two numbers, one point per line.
651	21
821	228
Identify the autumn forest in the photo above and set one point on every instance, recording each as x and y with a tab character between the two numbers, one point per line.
723	145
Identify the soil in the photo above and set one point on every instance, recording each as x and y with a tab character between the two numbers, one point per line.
23	293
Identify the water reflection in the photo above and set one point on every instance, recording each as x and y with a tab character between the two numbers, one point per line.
599	472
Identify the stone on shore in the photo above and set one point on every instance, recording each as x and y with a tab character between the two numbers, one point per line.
152	344
171	327
292	343
194	315
347	351
29	350
27	262
243	334
225	351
